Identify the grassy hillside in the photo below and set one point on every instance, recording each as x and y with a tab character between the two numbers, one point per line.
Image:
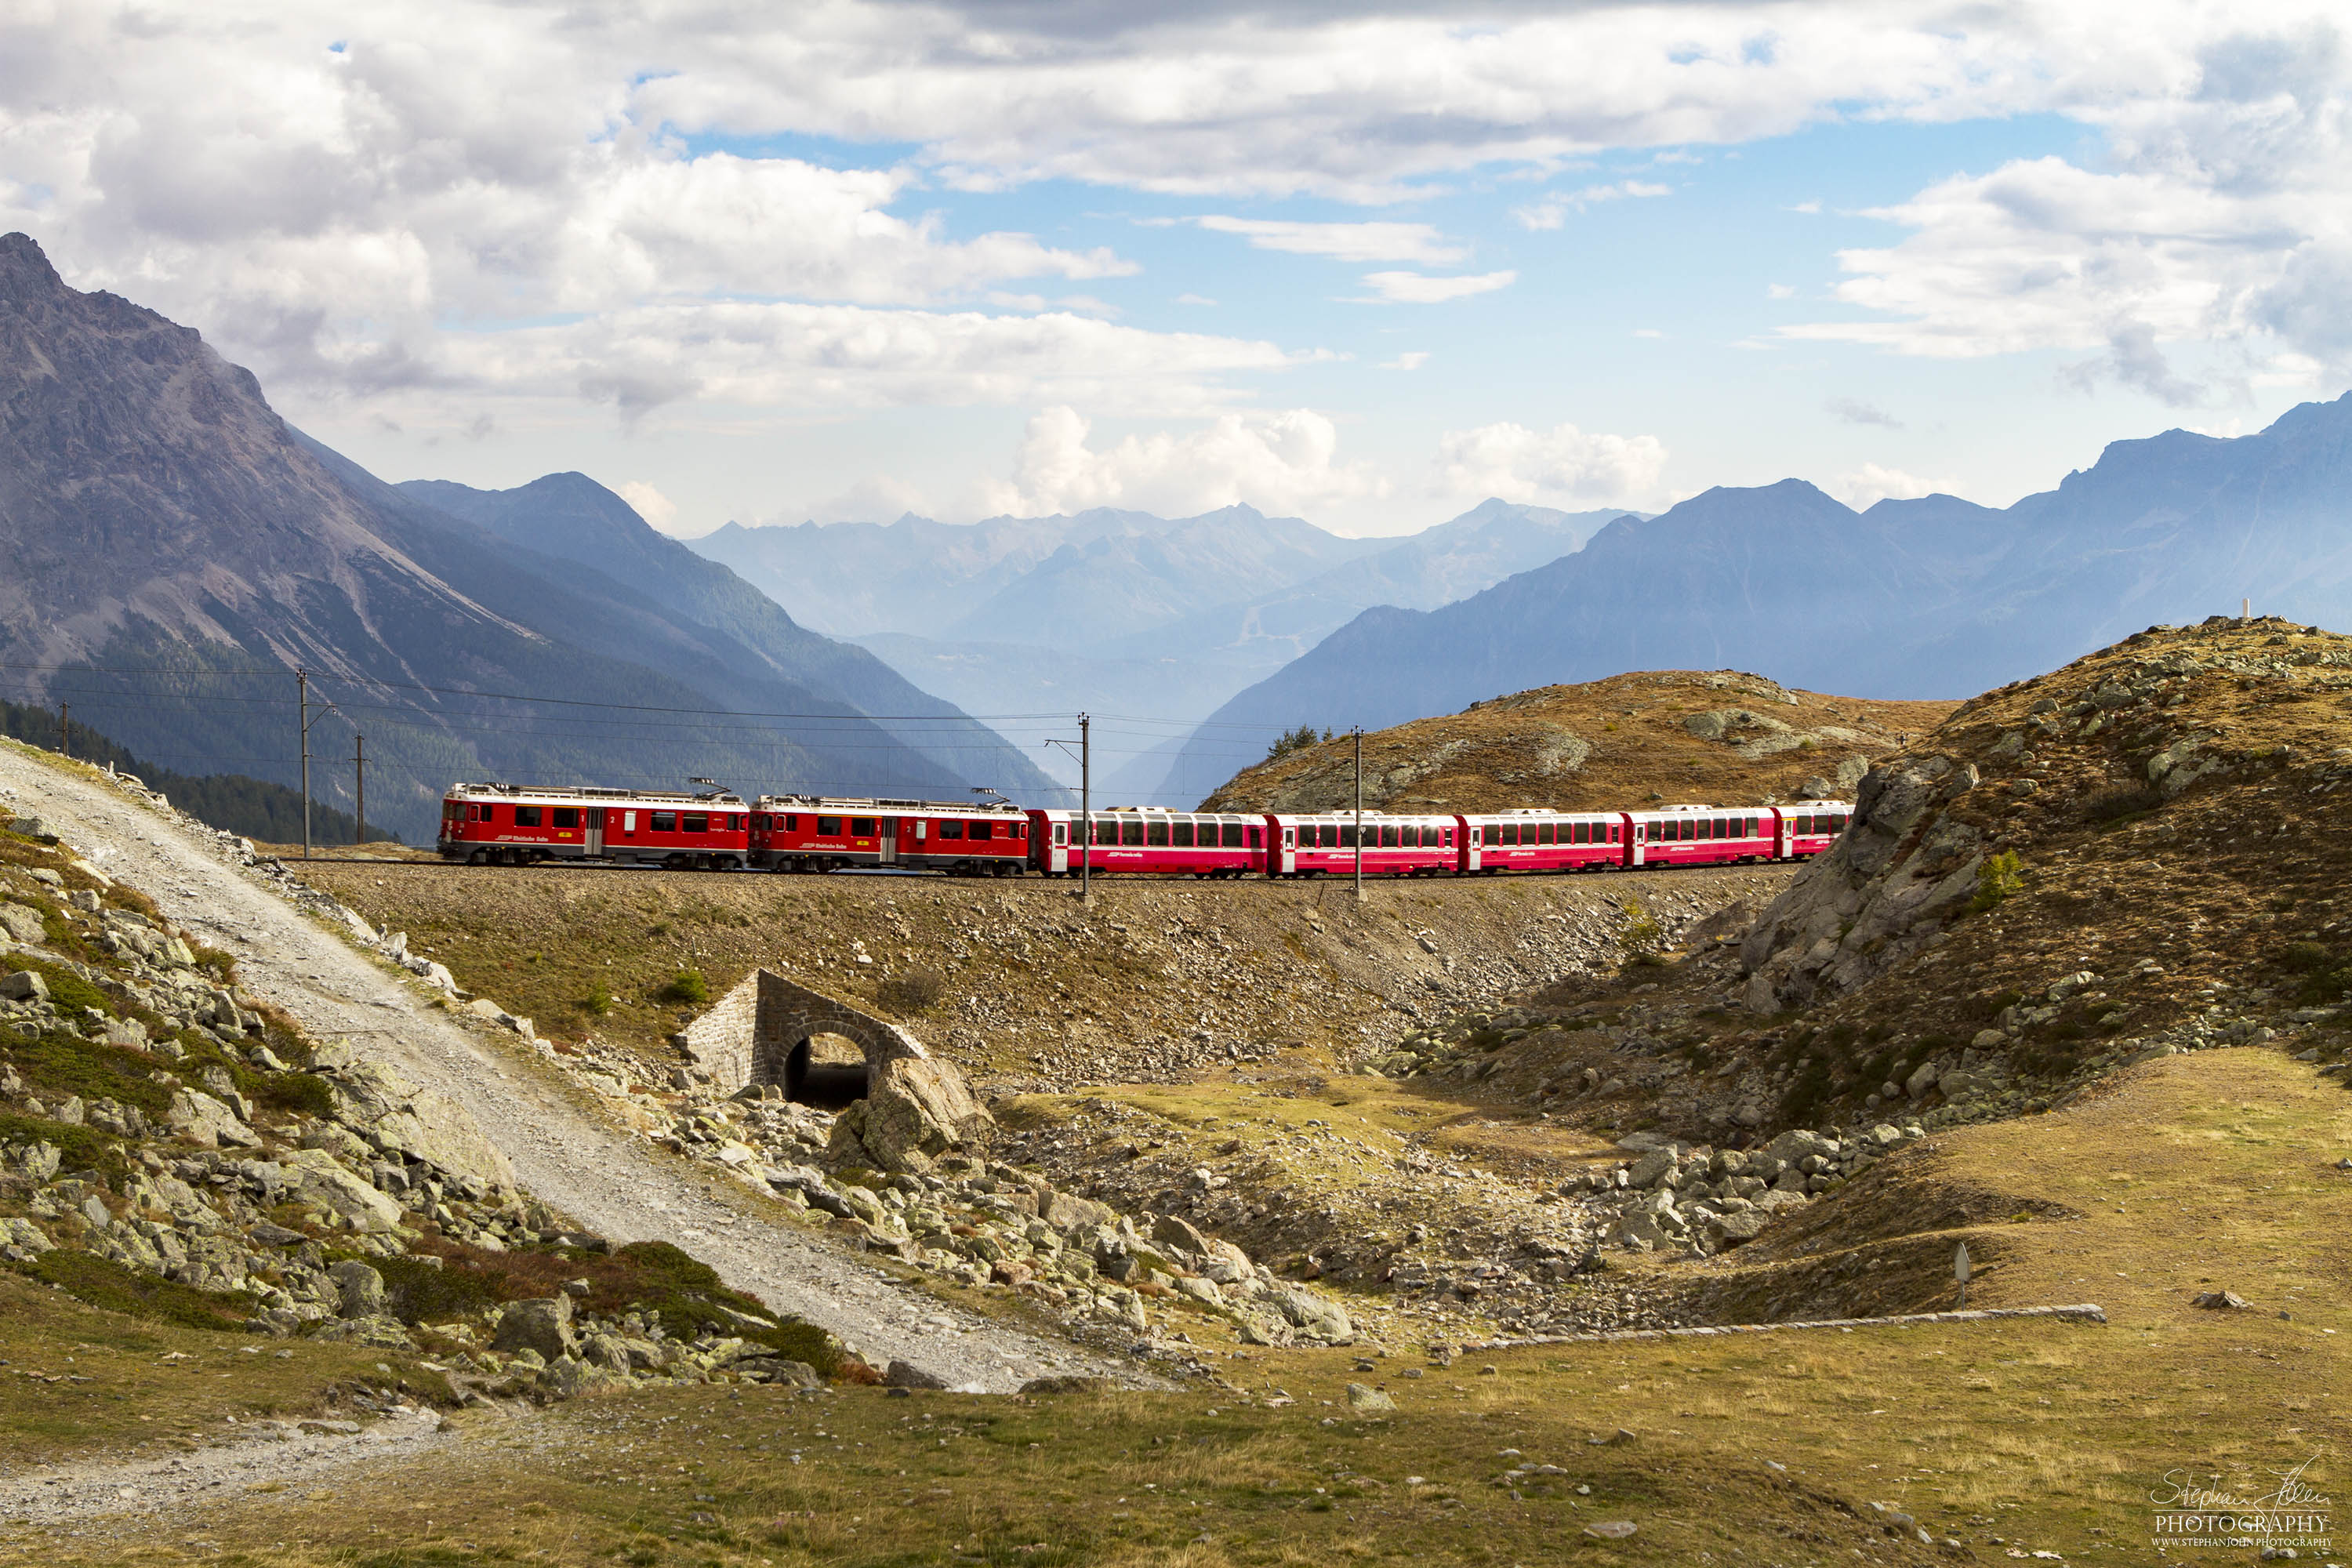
1720	737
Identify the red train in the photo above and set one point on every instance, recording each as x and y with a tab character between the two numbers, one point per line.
503	825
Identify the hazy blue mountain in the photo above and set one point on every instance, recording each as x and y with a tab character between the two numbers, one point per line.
1933	597
1122	614
913	575
572	517
175	551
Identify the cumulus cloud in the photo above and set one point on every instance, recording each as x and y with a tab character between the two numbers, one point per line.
1420	289
1419	243
1276	462
658	510
1564	462
1870	484
2219	216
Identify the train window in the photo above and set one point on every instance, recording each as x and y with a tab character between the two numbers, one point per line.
1838	823
1155	833
1719	828
1061	833
1388	837
694	822
565	816
1183	836
526	817
1348	837
1257	837
1130	835
1751	829
792	822
1449	839
1231	834
663	821
861	827
983	830
951	830
828	826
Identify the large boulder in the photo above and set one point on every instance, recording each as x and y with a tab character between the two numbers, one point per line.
916	1111
397	1117
320	1179
200	1119
543	1325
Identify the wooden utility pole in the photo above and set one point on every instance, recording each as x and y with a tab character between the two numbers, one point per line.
65	730
358	778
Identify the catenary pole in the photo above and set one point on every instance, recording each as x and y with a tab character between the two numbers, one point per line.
1086	808
65	730
358	778
1359	812
302	696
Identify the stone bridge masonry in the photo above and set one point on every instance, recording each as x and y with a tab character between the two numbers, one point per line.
759	1033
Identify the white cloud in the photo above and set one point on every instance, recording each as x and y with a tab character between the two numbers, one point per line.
1552	212
1779	291
1419	243
1194	299
656	508
1870	484
1519	464
1413	360
786	355
1277	463
1812	207
1648	332
1857	411
1418	289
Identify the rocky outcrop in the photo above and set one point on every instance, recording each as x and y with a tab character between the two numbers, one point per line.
914	1114
1900	871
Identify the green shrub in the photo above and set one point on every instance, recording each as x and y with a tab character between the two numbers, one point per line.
416	1292
1998	880
687	988
1641	935
69	992
88	1277
79	1148
59	1063
599	1000
2306	957
302	1092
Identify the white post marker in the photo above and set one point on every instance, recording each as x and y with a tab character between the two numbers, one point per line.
1960	1272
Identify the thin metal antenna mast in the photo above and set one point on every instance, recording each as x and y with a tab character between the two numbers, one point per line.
302	687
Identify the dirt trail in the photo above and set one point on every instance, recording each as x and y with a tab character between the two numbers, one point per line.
561	1155
274	1456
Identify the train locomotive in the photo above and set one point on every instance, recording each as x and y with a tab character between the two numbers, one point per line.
497	824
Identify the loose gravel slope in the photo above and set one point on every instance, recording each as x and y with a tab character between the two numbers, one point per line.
561	1155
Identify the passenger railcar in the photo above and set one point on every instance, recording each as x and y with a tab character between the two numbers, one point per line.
1324	845
1702	836
819	833
1148	839
1809	827
1539	840
509	824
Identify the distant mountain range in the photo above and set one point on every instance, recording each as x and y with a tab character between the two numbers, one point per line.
1122	614
1932	597
174	550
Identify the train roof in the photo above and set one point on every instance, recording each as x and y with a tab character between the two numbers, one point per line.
594	793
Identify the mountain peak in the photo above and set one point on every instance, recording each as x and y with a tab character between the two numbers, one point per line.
23	262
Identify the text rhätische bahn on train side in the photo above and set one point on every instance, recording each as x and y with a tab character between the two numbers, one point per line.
489	823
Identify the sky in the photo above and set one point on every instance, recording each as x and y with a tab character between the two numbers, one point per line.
1364	263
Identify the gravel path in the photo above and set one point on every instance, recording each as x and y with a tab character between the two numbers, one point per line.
562	1155
277	1456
